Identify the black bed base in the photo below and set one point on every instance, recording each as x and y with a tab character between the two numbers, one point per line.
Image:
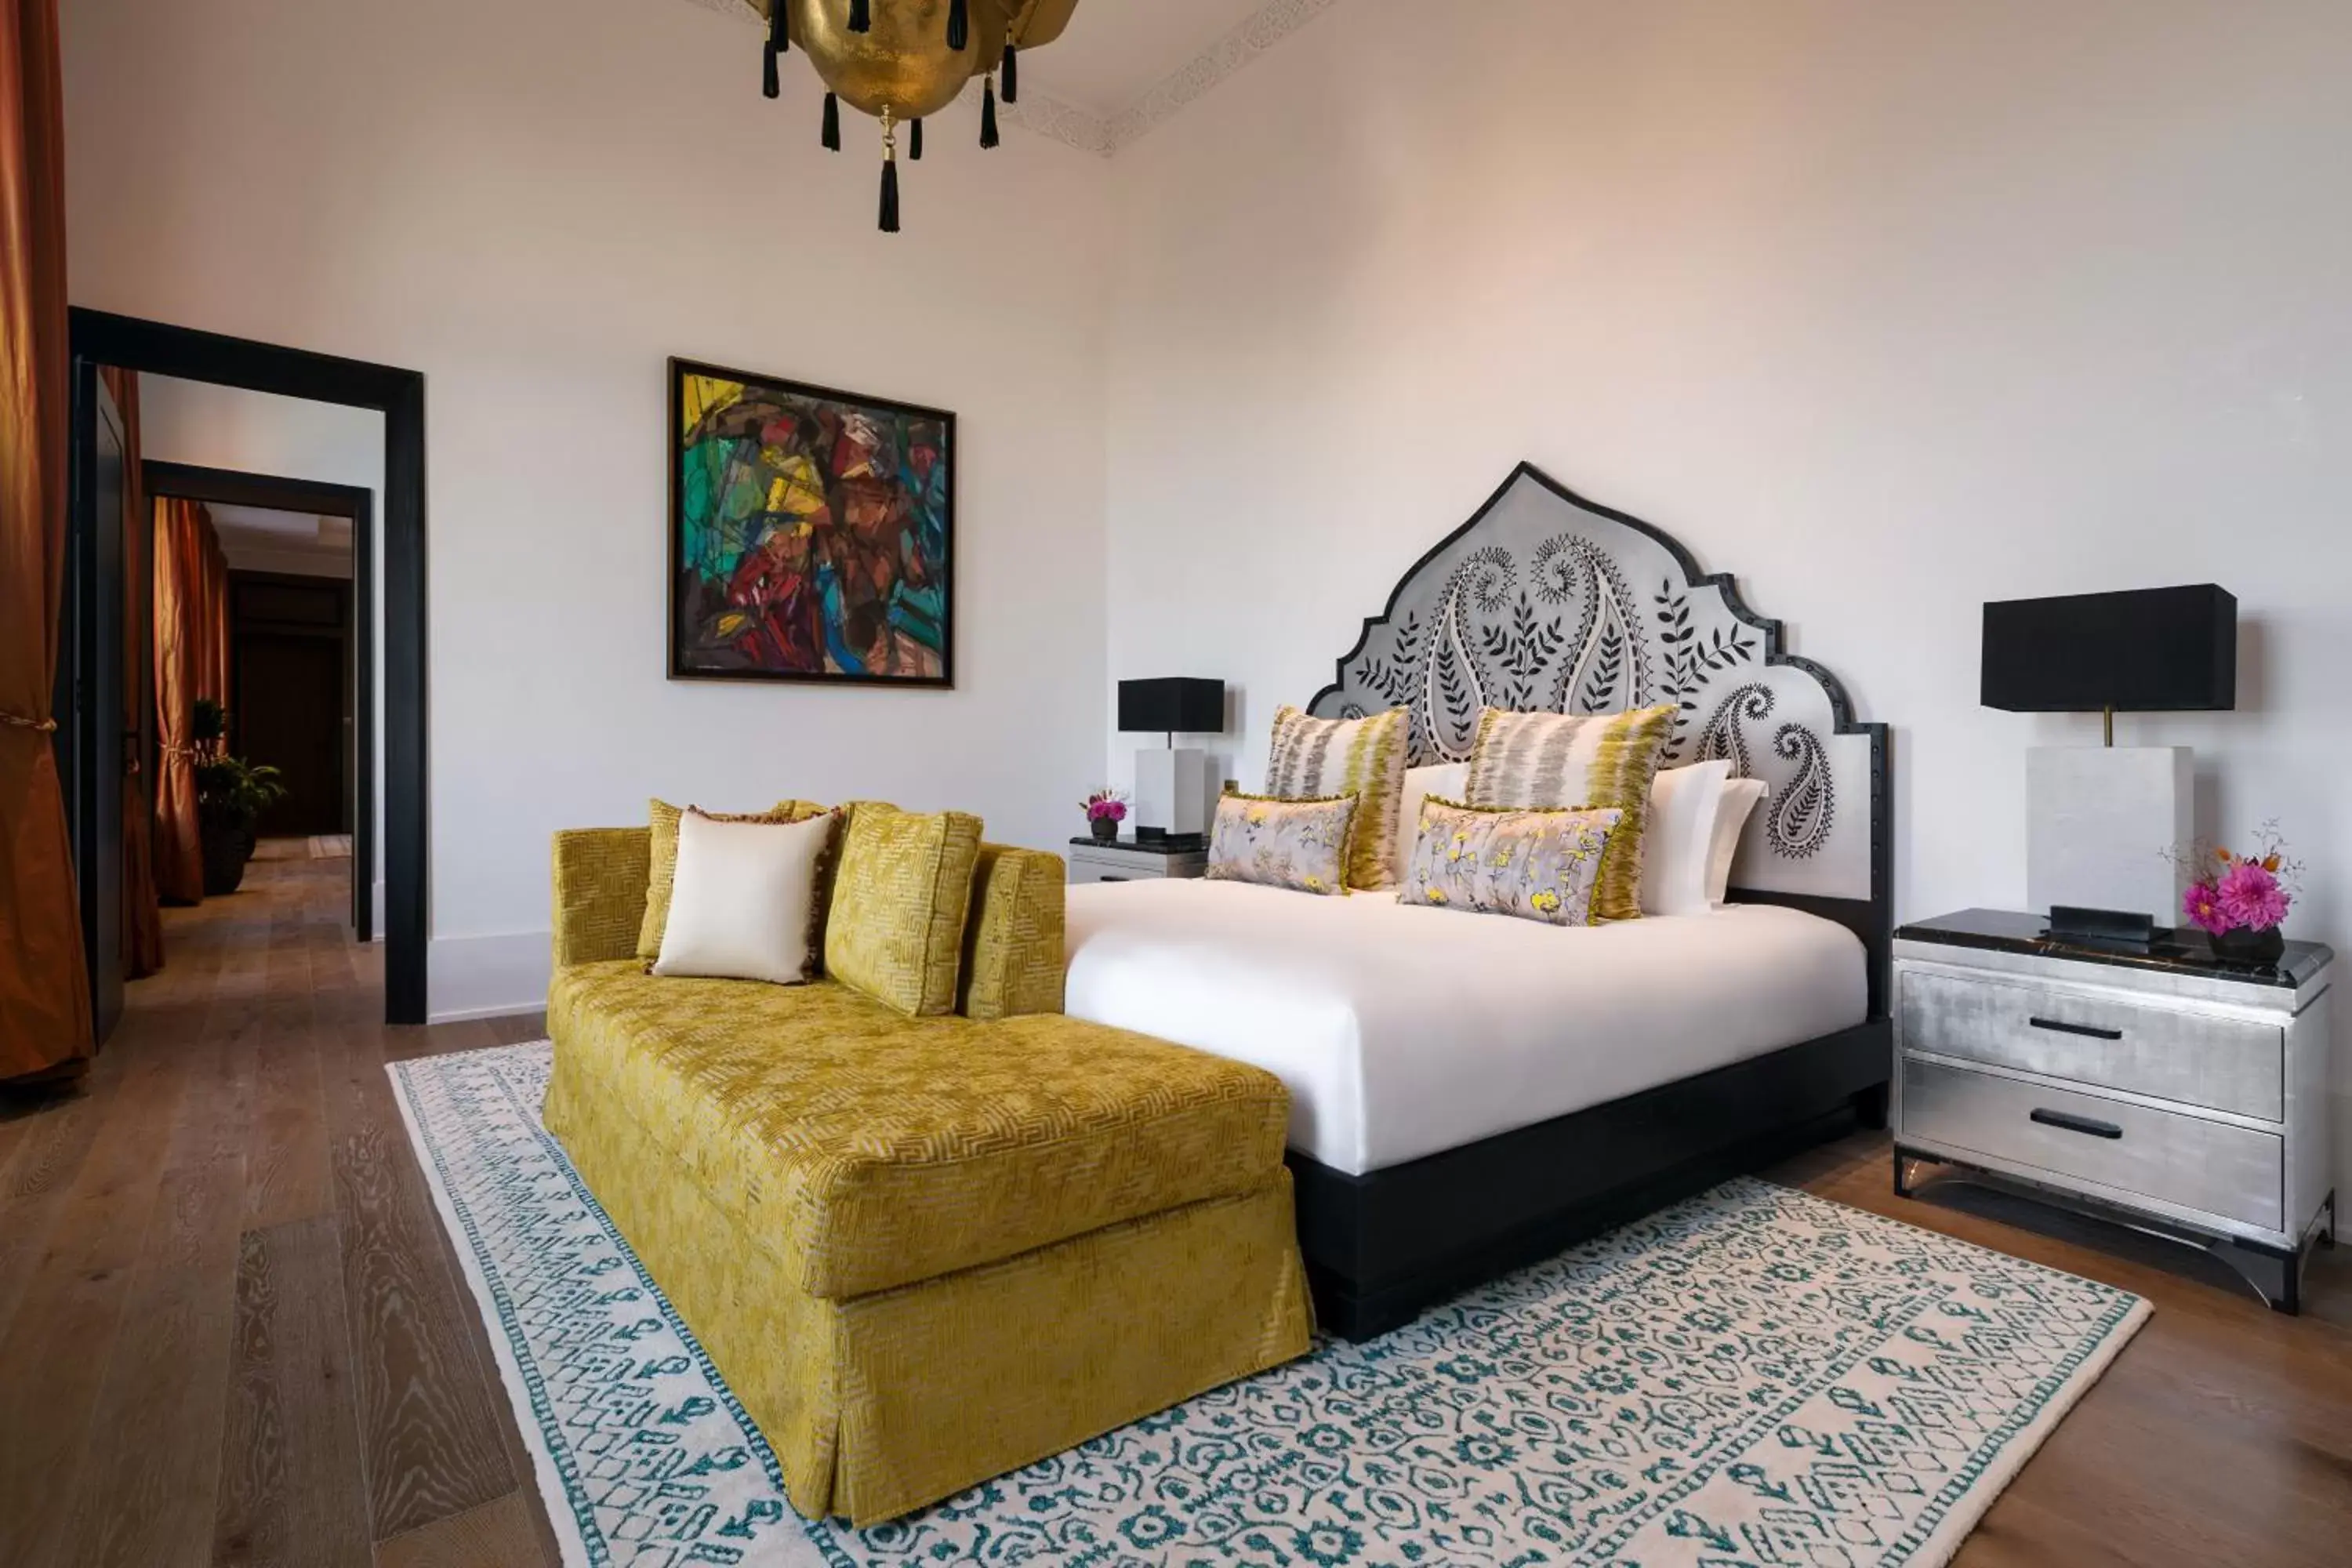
1381	1247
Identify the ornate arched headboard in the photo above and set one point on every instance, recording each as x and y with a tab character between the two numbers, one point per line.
1545	600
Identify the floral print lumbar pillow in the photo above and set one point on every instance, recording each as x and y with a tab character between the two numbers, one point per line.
1298	844
1538	865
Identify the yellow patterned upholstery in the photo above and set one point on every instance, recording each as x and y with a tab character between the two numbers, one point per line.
881	1403
869	1150
600	892
1012	957
661	877
922	1251
900	897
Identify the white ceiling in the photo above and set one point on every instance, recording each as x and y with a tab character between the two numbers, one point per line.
1116	50
262	528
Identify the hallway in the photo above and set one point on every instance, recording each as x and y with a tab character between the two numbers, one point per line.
231	1329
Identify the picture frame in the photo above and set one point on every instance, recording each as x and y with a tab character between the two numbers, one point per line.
811	533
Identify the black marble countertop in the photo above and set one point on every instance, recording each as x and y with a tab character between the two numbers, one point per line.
2184	951
1196	845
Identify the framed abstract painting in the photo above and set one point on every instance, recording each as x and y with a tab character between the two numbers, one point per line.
811	533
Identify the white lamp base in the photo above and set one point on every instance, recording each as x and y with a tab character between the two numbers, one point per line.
1171	790
2101	824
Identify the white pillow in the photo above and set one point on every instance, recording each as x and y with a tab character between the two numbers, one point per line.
1739	799
1678	837
1447	781
744	906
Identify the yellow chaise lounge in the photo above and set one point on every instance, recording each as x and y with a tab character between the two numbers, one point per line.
922	1251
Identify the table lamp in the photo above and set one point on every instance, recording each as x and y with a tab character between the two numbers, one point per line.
1171	783
2102	822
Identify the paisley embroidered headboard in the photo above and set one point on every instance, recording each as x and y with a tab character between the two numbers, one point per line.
1545	601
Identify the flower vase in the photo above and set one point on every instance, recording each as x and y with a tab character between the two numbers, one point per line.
1104	829
2244	946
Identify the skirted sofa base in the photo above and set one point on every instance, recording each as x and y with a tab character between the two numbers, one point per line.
881	1403
921	1251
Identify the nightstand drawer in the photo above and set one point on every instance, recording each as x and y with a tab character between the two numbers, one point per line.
2208	1166
2206	1059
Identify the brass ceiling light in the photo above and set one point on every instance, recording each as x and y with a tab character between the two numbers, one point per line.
900	61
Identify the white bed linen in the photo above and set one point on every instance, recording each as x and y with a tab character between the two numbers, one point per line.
1405	1031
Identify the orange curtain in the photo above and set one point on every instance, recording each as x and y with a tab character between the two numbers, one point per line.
179	555
45	1023
143	924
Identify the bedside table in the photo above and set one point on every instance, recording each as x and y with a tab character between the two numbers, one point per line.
2182	1093
1126	860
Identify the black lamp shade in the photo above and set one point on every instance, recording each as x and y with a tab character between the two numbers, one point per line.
1175	704
2151	650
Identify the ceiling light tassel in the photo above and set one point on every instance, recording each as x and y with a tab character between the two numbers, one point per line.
889	220
861	18
769	84
915	140
959	26
779	32
1012	73
988	112
831	137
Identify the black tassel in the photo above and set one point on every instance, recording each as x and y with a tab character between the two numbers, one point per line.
988	114
831	137
959	24
861	19
889	194
768	82
914	139
780	33
1012	74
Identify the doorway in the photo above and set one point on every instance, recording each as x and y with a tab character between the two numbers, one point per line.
100	749
315	642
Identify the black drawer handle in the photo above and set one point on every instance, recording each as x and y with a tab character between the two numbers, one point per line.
2082	1124
2091	1030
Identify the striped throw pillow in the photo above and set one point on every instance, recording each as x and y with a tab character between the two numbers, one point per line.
1313	758
1556	760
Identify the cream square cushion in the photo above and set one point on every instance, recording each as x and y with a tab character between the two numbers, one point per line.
1675	854
1740	798
745	901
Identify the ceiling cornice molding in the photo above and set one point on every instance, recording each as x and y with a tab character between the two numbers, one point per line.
1261	30
1106	136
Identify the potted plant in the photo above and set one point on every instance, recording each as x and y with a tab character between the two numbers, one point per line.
2239	900
231	795
1106	809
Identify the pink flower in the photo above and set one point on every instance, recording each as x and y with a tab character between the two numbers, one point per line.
2202	905
2250	896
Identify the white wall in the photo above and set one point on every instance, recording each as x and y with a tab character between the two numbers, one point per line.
534	203
285	438
1889	309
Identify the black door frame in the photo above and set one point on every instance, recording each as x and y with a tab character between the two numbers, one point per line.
130	343
232	486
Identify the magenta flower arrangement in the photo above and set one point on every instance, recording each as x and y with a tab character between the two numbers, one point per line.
2230	894
1106	806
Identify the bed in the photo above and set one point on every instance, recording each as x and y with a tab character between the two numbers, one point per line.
1473	1092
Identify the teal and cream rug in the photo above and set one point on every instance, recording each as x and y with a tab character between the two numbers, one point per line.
1756	1377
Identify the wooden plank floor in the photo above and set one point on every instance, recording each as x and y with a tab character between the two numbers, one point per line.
231	1331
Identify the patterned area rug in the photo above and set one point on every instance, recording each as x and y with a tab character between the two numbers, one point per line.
1756	1377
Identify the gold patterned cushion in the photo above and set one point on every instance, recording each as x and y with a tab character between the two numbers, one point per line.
1553	761
661	877
1301	844
1313	758
867	1150
1537	865
901	893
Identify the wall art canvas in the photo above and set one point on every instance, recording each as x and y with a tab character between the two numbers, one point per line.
811	533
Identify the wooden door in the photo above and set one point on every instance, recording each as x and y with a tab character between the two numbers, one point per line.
91	753
289	715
